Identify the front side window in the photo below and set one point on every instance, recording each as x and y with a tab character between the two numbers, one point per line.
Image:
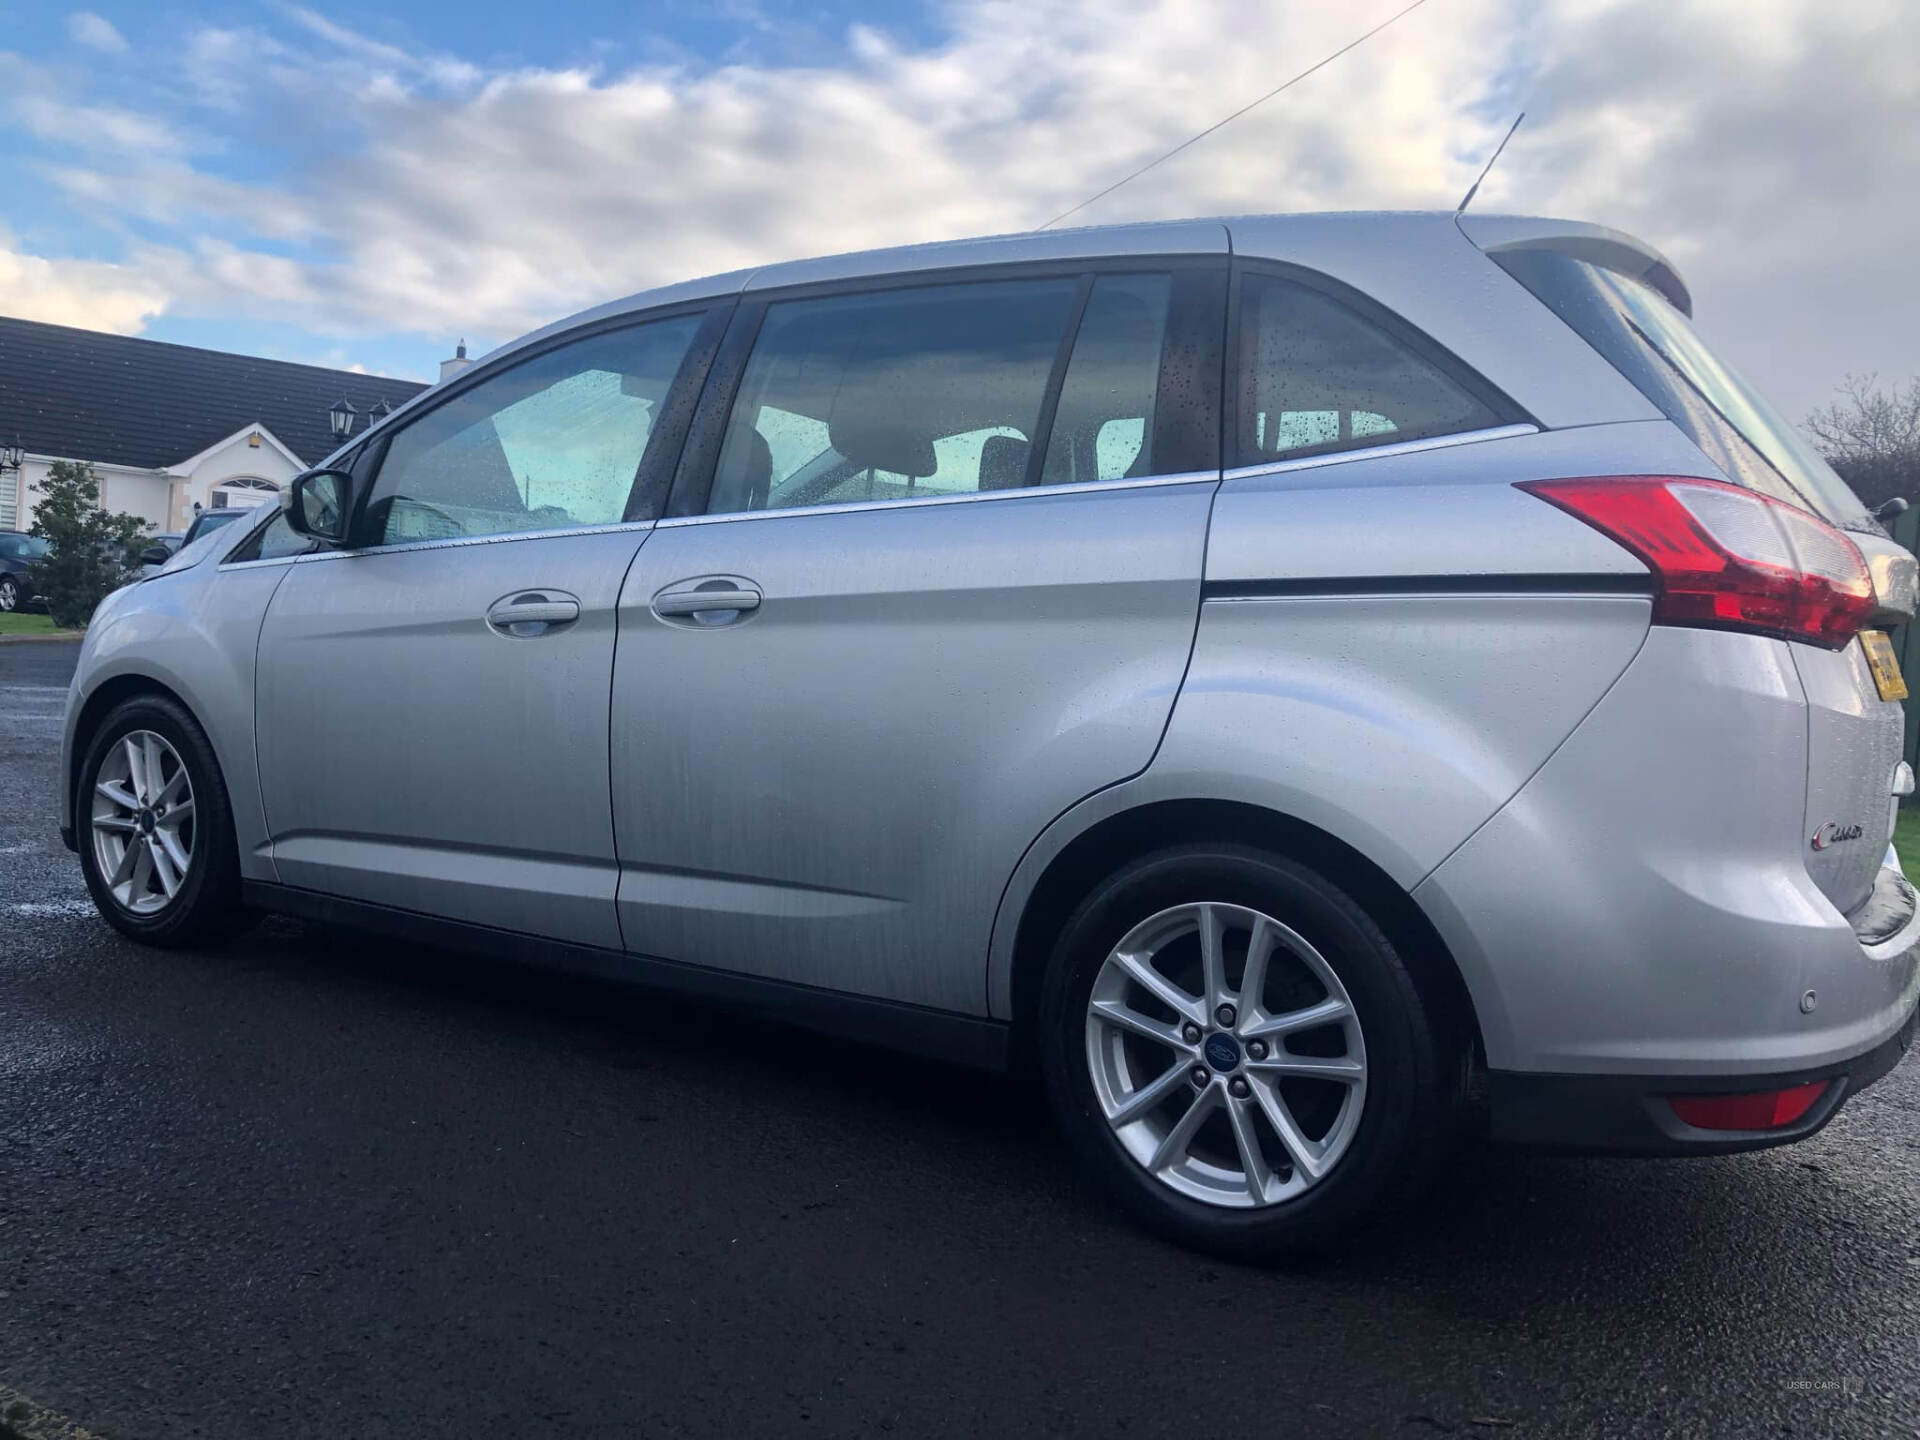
275	541
897	394
1316	376
553	443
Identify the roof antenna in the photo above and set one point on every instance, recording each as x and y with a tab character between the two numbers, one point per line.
1474	189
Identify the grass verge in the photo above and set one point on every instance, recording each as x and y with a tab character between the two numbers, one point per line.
15	623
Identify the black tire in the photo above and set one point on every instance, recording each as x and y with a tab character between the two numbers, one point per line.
1410	1106
9	594
207	908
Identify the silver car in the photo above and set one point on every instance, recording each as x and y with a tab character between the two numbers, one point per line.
1297	686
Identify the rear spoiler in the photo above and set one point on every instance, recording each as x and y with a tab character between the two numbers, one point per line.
1596	244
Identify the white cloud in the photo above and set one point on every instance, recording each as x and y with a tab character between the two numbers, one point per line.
420	192
1770	150
93	127
95	32
398	59
85	293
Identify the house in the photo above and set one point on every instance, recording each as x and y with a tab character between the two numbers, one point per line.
169	428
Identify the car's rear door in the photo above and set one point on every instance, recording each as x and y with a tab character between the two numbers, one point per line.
432	703
930	576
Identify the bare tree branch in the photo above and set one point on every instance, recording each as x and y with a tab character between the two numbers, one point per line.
1872	437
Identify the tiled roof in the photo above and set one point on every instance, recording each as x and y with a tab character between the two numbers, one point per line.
122	401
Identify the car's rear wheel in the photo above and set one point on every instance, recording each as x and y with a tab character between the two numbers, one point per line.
156	830
9	594
1238	1054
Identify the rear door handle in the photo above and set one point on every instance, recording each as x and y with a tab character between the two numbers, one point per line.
532	612
714	600
694	601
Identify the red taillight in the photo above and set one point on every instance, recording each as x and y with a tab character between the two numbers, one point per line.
1726	558
1763	1110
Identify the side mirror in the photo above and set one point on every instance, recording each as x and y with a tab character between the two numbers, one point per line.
155	555
320	505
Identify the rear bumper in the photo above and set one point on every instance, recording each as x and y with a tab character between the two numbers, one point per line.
1629	1115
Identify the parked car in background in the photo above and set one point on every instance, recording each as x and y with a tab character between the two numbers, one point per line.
17	552
158	550
162	548
211	520
1293	679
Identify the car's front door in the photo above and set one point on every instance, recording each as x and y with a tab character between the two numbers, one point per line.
939	581
432	702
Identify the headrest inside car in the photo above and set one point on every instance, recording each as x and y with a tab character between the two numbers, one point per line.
882	443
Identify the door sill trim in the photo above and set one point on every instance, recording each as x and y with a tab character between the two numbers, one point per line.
971	1040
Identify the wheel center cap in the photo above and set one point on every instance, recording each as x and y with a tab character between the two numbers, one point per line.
145	818
1222	1052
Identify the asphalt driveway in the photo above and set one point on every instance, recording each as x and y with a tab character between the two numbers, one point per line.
315	1185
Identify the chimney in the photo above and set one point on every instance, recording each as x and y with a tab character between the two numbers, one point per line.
459	362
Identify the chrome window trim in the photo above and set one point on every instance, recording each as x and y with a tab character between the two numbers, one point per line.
451	543
1371	452
1021	492
257	564
1190	477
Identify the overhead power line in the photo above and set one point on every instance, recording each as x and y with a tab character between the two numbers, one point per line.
1218	124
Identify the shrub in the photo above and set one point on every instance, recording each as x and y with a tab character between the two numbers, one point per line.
90	552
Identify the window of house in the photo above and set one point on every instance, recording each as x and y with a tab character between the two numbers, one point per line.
895	394
1316	376
552	443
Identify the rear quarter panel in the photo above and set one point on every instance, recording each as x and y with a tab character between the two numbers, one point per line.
1389	647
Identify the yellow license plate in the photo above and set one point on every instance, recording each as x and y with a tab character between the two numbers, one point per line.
1884	664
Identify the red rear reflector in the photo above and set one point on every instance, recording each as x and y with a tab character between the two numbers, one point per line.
1726	558
1764	1110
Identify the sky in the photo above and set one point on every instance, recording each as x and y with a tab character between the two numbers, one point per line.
362	185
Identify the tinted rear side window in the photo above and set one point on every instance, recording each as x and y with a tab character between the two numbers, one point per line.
893	395
1655	346
1316	376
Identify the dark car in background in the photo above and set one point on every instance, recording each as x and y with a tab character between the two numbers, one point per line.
211	520
162	548
17	552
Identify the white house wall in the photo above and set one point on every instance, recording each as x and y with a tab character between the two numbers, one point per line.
237	459
163	499
136	492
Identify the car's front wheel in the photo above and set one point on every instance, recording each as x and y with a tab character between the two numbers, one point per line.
156	831
9	594
1238	1054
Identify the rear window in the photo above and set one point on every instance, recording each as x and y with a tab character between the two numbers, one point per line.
1656	347
1316	377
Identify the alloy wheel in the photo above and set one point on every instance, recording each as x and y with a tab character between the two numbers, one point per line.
9	595
143	822
1226	1055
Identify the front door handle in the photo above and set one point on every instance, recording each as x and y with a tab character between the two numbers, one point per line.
715	600
532	612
